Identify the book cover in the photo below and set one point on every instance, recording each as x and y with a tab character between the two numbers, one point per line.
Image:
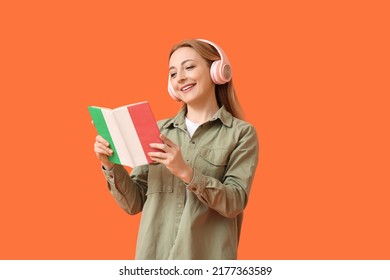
129	129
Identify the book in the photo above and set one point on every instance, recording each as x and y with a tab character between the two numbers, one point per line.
129	129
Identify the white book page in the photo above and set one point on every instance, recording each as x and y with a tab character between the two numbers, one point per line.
123	153
130	136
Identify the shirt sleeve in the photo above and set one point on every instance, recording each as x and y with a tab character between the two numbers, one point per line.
128	191
230	196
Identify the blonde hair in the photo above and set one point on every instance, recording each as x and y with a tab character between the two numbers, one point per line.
225	93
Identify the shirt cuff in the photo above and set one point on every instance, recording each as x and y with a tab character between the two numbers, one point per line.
198	183
115	174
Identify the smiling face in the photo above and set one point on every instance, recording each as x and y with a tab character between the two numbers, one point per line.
190	76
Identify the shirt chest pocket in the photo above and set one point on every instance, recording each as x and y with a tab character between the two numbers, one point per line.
212	162
160	179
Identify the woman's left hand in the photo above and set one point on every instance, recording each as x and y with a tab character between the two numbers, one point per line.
172	158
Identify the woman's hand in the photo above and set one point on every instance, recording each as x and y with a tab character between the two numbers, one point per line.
172	159
103	151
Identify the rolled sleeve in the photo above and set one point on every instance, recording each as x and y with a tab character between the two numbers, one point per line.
129	192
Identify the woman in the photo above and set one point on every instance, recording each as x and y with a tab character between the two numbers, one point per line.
192	200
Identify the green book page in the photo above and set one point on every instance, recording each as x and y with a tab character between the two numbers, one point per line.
102	129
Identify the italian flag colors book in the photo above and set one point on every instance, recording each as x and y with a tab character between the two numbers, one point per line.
129	129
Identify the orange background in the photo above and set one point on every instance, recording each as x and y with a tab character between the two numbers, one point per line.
312	76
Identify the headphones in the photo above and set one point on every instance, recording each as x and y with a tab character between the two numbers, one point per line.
220	70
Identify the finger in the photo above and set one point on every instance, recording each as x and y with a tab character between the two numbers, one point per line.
157	155
167	141
101	152
101	148
159	146
100	139
156	160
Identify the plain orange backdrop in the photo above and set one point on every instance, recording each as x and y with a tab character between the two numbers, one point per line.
312	76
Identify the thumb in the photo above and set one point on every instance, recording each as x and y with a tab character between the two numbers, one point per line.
166	140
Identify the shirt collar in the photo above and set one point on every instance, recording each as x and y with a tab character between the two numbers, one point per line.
222	114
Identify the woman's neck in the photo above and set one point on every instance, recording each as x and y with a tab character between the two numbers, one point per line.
202	113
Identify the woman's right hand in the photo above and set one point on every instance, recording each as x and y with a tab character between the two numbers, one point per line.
103	151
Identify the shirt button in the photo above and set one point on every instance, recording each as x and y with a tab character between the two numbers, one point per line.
111	175
193	142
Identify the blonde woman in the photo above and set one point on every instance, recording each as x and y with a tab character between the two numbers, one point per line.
193	197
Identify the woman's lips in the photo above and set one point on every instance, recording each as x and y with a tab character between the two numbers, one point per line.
187	88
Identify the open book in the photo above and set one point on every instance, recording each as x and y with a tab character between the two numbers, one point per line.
129	129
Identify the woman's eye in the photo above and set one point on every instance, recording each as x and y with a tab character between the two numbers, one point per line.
173	75
190	67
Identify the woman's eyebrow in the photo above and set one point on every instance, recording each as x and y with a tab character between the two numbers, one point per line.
183	62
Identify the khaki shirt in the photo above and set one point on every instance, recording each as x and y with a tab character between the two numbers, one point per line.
201	220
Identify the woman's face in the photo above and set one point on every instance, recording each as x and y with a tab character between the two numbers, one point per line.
190	76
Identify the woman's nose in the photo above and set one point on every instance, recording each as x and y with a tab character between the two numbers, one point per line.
181	76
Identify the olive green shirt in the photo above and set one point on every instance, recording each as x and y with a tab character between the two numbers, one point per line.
201	220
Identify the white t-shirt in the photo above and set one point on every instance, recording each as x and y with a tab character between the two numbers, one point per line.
191	127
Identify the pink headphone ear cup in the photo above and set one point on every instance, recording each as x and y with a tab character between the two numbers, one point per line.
171	91
215	72
220	73
220	70
226	72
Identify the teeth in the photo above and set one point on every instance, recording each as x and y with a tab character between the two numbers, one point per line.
186	87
